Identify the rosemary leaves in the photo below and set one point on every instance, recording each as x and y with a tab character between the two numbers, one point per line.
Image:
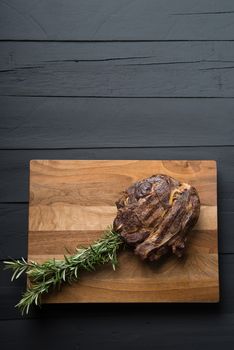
53	273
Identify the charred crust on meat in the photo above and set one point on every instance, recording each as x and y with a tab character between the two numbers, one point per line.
155	215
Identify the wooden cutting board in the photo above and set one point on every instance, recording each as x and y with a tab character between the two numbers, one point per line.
73	201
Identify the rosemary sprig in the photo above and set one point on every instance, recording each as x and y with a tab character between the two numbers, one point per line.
52	273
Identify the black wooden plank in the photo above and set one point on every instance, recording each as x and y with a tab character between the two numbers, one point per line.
170	326
196	333
10	293
14	230
155	69
80	122
122	331
26	55
117	20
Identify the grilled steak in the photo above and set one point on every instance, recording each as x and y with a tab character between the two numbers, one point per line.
155	215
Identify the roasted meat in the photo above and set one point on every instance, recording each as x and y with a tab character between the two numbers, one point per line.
154	216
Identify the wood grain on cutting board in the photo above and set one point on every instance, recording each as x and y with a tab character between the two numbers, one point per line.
73	201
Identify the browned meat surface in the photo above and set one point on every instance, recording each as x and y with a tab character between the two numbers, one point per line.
155	215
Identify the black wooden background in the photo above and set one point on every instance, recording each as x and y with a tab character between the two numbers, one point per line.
117	79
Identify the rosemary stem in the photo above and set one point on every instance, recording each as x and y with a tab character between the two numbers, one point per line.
52	273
